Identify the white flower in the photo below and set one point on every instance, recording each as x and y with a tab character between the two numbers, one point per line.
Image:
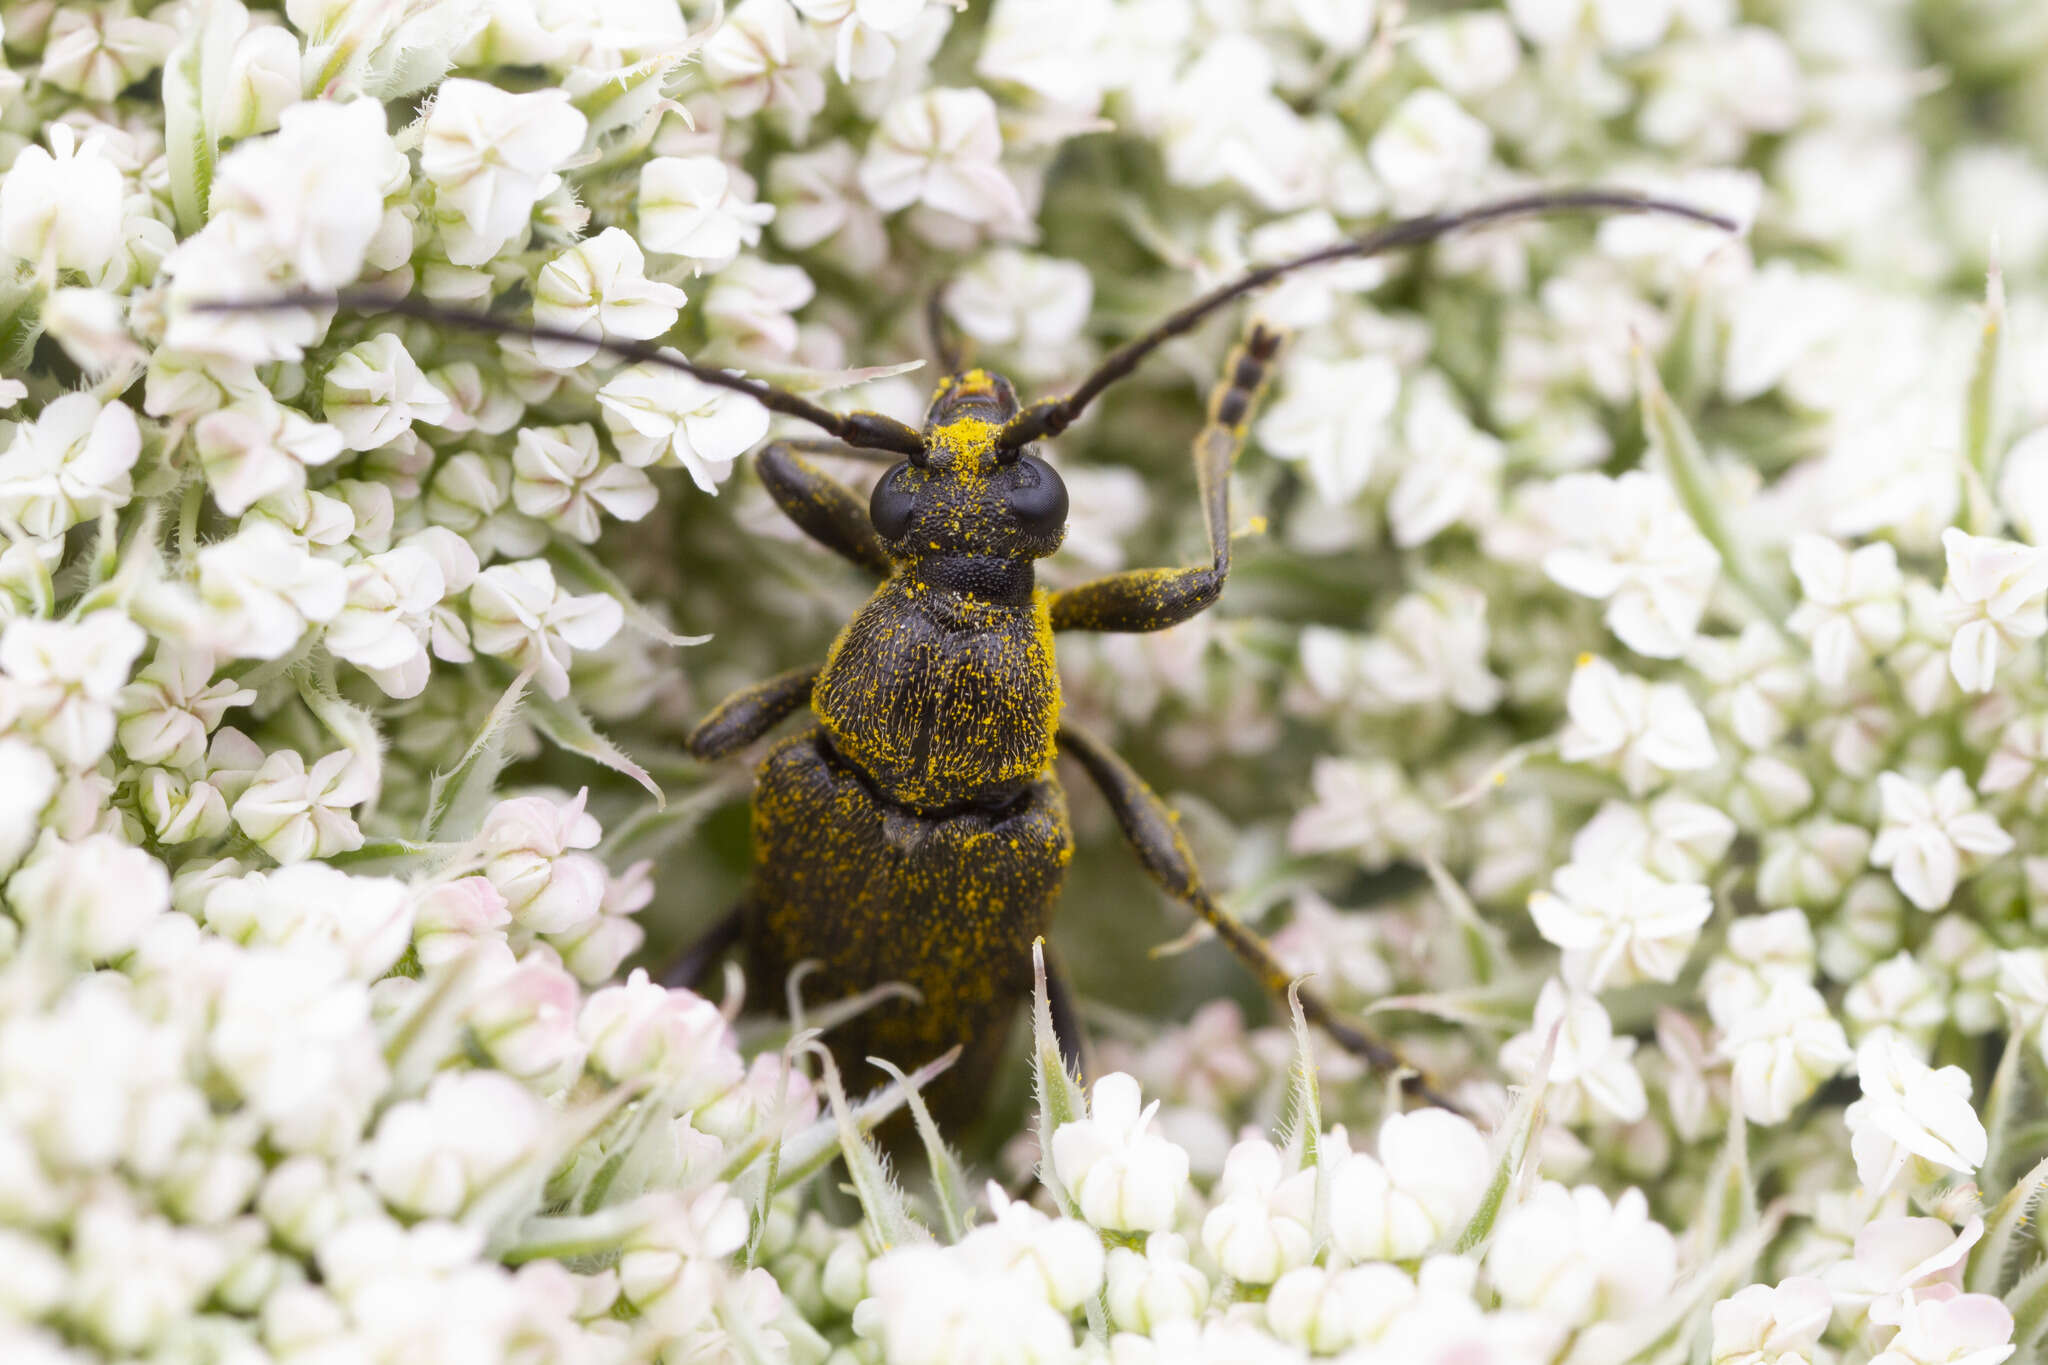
1037	304
1219	120
1258	1229
383	627
1678	839
600	288
431	1157
819	203
1453	469
28	779
263	588
1467	54
100	53
531	849
291	1036
1366	808
1060	1258
1629	544
861	29
256	447
70	464
173	705
1619	924
61	209
753	303
1578	1257
1587	1062
1783	1043
765	57
91	900
1959	1329
297	813
1854	603
1429	151
1325	1311
368	920
66	675
1996	597
660	416
525	1018
1122	1178
1054	50
518	613
1431	1169
92	327
1144	1290
137	1275
1933	836
490	155
1910	1110
942	149
638	1029
701	208
1431	648
374	392
1761	950
1334	417
931	1307
1644	731
1766	1325
309	198
1758	683
1896	1257
559	476
1620	26
259	82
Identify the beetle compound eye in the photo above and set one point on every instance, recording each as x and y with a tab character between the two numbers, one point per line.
892	502
1039	497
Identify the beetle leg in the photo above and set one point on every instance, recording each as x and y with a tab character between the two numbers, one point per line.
1153	599
1154	833
940	335
1066	1016
751	712
825	509
688	970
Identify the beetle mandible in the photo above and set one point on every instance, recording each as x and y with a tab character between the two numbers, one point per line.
915	830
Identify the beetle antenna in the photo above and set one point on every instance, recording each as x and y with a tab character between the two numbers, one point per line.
1051	416
862	430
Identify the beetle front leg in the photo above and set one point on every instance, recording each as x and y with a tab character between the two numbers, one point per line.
1153	599
823	508
751	712
1154	834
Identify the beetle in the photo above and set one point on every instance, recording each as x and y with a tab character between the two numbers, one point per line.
914	830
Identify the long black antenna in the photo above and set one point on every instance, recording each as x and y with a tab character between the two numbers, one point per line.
862	430
1051	416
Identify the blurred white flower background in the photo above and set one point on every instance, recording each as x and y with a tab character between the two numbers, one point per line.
1631	695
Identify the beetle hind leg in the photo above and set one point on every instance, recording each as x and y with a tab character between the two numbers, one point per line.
1154	834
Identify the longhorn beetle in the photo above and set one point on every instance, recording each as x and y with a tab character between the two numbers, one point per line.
915	831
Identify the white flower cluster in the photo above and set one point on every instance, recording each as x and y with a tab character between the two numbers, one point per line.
1672	601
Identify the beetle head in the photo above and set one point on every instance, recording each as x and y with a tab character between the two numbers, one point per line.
963	497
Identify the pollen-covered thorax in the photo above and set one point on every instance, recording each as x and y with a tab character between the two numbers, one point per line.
964	497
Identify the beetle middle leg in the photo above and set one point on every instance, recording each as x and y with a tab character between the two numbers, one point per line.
1153	599
687	971
1154	834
